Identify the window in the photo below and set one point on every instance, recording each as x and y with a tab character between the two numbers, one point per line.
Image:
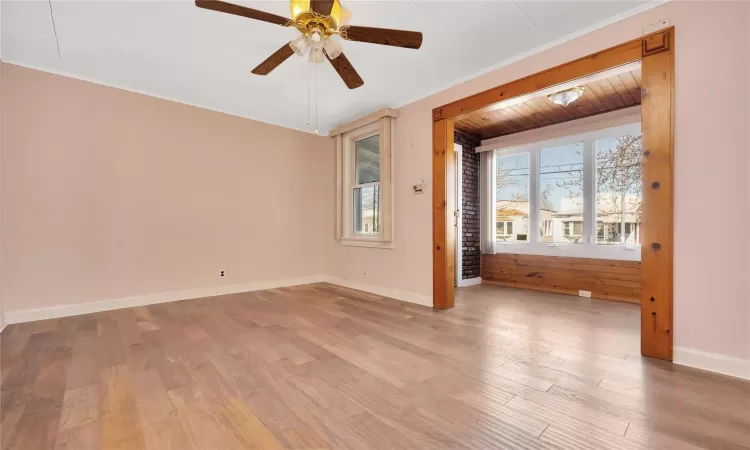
512	194
504	229
561	192
573	230
618	189
582	193
364	194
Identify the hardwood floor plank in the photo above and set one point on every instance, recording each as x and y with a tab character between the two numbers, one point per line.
151	398
166	435
84	437
80	407
38	432
119	415
246	428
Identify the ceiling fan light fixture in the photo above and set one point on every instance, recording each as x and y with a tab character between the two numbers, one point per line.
566	97
299	45
333	49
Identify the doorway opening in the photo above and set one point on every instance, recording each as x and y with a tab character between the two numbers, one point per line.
564	190
591	217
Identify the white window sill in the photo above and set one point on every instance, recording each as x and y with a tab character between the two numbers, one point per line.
610	251
366	243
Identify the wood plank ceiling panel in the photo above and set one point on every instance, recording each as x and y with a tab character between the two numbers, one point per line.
609	94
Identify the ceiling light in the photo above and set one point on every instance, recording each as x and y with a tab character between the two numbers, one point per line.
333	49
299	45
566	97
316	39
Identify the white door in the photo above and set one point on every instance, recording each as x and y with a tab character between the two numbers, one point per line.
457	214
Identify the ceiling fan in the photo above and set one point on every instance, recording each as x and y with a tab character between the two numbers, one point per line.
318	21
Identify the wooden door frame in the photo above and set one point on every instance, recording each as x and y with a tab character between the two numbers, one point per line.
656	53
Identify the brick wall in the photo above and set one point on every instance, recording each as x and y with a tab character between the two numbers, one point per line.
470	204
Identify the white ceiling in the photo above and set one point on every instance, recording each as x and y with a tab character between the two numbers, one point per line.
174	50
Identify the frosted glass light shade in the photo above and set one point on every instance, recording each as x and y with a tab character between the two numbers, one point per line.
566	97
299	45
332	48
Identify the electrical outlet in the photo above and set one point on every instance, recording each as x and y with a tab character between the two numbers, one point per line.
584	294
222	273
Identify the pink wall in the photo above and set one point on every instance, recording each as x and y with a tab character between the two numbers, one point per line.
2	321
109	194
711	173
747	149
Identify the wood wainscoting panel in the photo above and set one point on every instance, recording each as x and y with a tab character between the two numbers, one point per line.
605	278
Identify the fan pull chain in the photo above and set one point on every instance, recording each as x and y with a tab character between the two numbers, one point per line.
316	98
308	98
54	29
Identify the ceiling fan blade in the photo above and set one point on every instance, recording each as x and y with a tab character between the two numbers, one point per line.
346	71
274	60
322	7
382	36
237	10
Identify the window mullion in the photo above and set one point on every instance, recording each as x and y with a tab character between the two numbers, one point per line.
534	203
589	192
364	185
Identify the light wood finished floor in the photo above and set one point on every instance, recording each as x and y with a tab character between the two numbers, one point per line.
320	366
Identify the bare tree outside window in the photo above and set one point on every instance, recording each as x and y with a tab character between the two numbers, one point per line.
618	189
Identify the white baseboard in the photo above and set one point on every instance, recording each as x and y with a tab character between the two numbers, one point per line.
30	315
54	312
712	362
411	297
470	282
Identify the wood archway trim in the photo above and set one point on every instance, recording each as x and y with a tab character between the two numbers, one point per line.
656	51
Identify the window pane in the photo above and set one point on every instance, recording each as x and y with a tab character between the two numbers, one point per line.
561	193
367	209
500	228
367	160
618	189
578	228
512	193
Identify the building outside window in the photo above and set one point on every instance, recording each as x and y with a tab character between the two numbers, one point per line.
584	190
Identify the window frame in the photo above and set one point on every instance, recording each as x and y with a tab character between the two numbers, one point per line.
345	168
588	248
505	228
